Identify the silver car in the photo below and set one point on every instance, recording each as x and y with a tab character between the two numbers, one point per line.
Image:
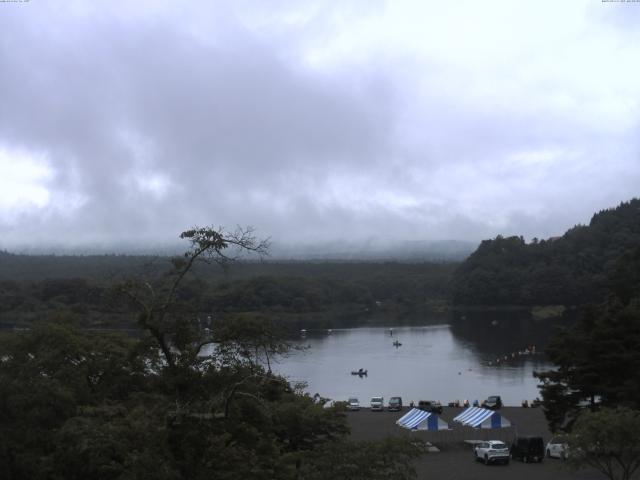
353	404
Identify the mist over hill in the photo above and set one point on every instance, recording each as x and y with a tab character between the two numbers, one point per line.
337	250
375	250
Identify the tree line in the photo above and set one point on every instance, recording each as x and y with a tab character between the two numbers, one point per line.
593	393
332	294
575	269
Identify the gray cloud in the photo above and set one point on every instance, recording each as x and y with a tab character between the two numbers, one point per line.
151	123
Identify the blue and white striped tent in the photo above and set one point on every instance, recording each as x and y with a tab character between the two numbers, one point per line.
421	420
482	418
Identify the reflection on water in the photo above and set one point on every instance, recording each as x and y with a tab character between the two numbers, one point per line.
438	362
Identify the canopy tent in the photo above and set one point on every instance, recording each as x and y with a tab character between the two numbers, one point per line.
421	420
478	417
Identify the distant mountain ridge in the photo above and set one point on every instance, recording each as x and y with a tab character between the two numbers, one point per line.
574	269
418	250
35	266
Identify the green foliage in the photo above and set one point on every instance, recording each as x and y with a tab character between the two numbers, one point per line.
571	270
114	442
46	375
597	359
181	401
598	363
254	339
328	294
82	405
607	440
625	279
390	458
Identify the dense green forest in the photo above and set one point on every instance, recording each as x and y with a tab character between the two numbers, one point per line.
574	269
326	294
597	359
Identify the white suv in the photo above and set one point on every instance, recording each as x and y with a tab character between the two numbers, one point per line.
491	451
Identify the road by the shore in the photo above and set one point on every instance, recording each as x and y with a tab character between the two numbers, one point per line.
455	459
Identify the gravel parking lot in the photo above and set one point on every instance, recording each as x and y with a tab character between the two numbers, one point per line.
455	459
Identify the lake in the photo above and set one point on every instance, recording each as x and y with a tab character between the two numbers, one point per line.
435	362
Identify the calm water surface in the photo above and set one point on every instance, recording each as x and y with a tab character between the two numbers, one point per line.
438	362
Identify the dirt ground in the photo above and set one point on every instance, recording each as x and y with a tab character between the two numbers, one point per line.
455	459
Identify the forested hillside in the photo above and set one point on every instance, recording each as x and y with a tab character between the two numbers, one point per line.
574	269
325	293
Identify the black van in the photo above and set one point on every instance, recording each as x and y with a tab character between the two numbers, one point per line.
494	402
395	404
528	449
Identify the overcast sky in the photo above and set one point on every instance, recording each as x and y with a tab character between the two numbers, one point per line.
314	121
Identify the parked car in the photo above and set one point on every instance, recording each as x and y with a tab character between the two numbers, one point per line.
395	404
493	451
377	404
557	448
353	404
528	449
430	406
494	402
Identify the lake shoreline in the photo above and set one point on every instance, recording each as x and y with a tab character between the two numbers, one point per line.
366	424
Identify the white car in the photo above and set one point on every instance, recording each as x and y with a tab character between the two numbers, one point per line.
492	451
353	404
377	404
556	448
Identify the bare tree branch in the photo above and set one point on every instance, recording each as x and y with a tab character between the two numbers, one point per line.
207	244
